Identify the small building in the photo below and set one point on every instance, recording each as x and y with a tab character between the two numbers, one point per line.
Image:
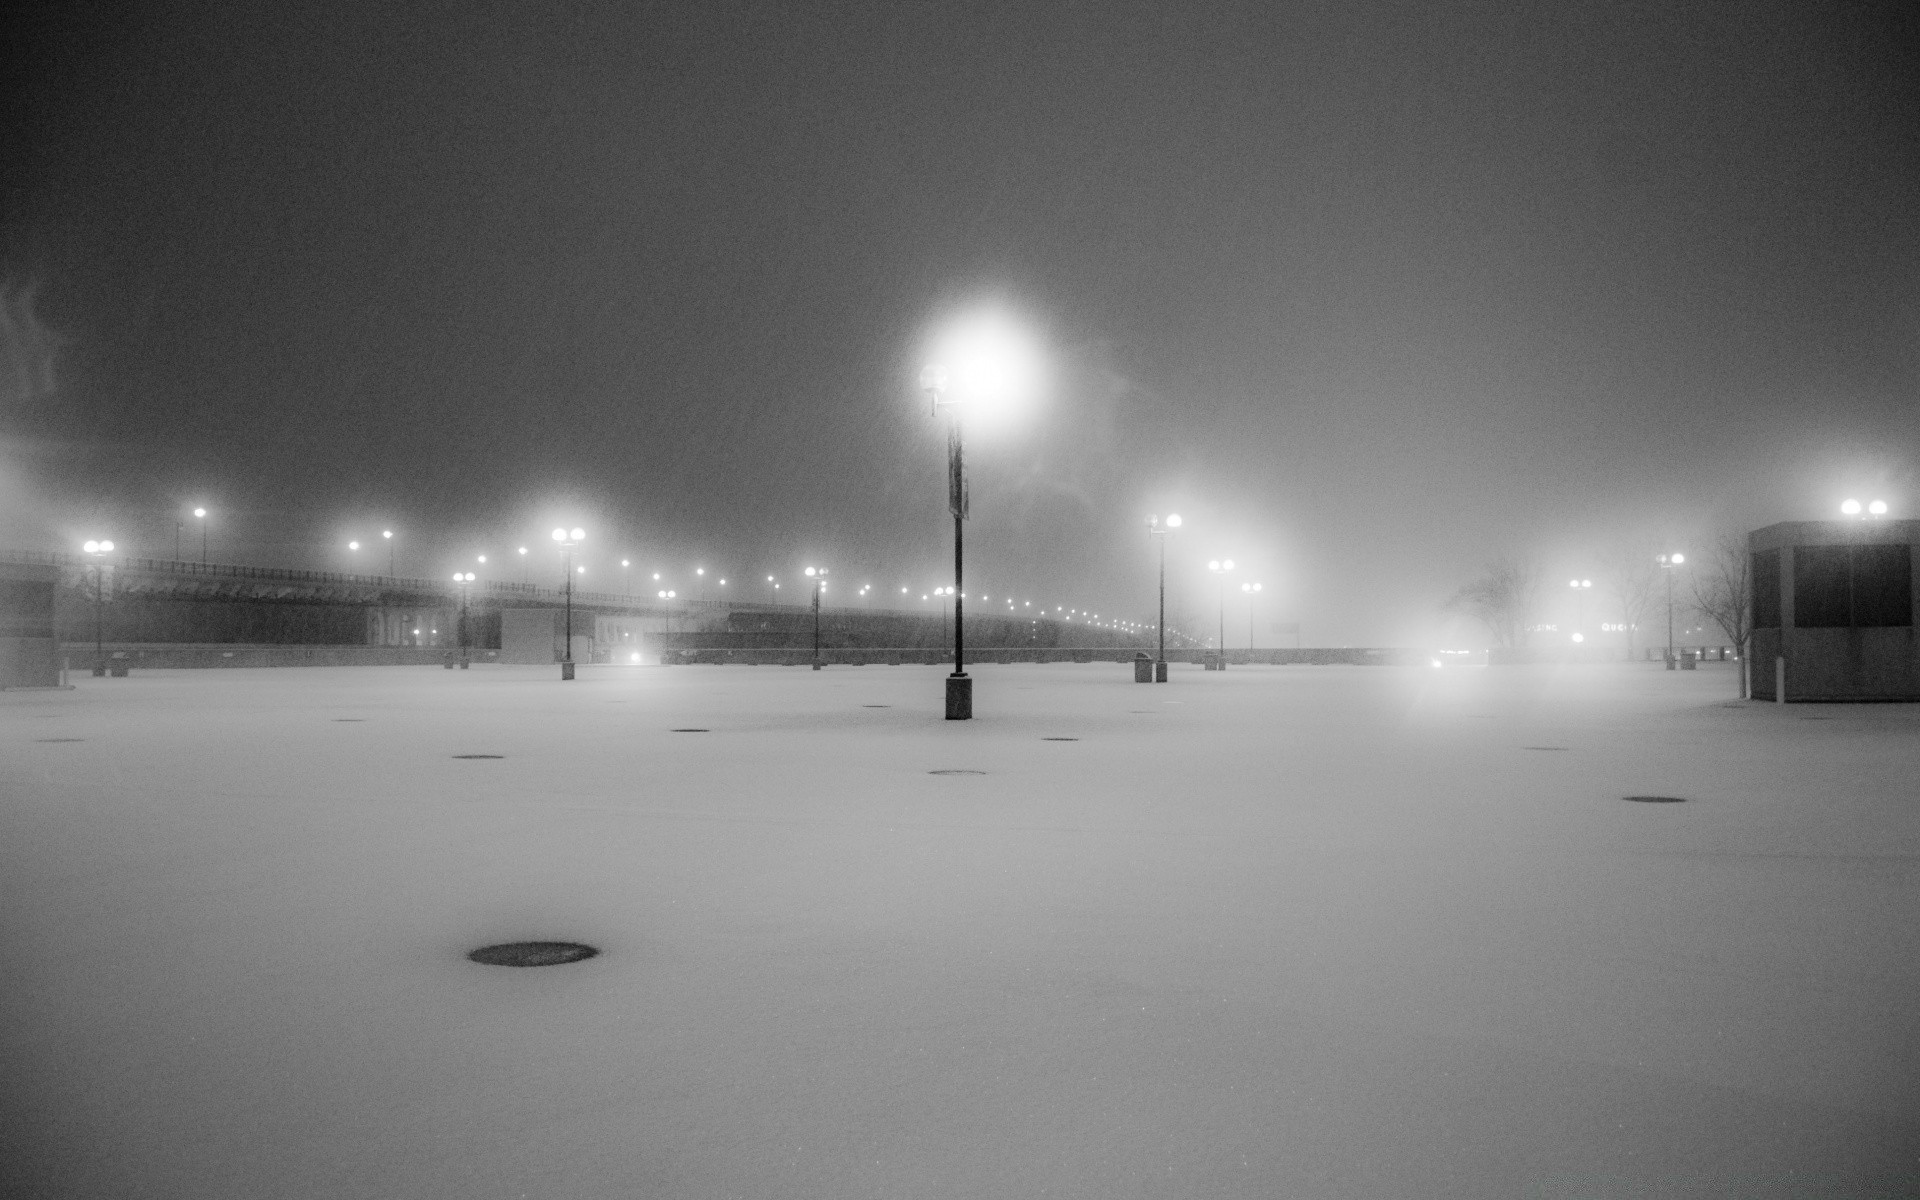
29	652
1833	610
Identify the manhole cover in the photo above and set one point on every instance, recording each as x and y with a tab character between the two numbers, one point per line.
957	771
479	756
1657	799
532	954
1543	747
1059	739
692	731
876	706
1816	718
59	739
348	720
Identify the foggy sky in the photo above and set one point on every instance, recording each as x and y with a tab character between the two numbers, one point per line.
1369	293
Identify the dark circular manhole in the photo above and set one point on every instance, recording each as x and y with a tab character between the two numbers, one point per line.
479	756
957	771
348	720
532	954
1816	718
59	739
1657	799
1059	739
1543	747
692	731
876	706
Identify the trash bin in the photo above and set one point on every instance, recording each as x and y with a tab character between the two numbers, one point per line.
1142	668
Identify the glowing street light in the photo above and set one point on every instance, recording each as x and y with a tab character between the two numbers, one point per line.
1221	568
567	539
388	534
96	554
819	577
1667	563
1580	588
523	566
1158	530
464	580
1251	590
1878	508
666	594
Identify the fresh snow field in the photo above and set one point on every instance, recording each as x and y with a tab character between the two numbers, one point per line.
1273	932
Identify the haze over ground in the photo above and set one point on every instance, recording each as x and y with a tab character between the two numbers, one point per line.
1369	293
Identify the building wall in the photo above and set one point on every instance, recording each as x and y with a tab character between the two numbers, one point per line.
1829	661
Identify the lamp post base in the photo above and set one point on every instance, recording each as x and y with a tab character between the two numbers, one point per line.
1160	671
566	669
100	672
959	697
465	664
817	664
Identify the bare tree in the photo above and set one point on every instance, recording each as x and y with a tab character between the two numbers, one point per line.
1722	586
1502	599
1632	579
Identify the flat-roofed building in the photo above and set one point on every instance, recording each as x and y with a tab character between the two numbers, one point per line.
1833	610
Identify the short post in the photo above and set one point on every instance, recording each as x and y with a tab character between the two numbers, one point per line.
1780	680
1143	667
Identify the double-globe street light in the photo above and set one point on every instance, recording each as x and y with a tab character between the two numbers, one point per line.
1667	563
96	555
1221	568
464	580
567	539
1158	532
1251	590
819	577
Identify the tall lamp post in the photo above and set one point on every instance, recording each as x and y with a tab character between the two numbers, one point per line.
666	658
1667	563
201	513
933	381
567	540
1252	590
1579	588
1158	532
96	554
819	577
1221	568
387	534
465	583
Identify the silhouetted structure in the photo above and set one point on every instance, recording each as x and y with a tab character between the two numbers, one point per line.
1833	612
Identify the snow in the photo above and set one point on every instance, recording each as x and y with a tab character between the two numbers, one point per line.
1272	931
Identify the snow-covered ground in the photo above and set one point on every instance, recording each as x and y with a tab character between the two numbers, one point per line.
1281	931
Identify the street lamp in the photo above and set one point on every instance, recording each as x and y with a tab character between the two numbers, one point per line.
388	534
1158	531
819	577
666	641
933	381
1580	587
523	566
96	554
1667	563
465	582
1251	589
1221	567
567	540
201	513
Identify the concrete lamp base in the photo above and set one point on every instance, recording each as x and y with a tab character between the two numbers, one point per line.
1160	671
817	664
566	669
959	697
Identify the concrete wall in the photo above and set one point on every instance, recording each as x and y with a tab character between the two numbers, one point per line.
170	655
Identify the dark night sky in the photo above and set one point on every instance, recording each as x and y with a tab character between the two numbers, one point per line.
1370	293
